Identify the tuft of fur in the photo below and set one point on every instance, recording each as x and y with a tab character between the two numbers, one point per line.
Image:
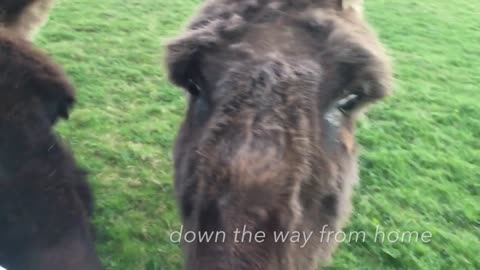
355	5
267	143
24	17
45	200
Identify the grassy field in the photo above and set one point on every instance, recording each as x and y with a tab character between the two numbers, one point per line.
421	149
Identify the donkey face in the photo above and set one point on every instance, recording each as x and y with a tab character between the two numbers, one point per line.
24	17
45	200
267	144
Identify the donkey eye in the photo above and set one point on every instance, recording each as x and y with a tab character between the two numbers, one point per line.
348	103
193	88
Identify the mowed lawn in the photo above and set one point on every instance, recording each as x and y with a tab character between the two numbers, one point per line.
420	149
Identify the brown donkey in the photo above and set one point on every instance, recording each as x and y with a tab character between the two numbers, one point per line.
267	146
45	200
24	17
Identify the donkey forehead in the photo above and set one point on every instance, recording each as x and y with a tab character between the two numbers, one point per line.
341	43
277	33
239	37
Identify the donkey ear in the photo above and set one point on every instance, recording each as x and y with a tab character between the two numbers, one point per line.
24	17
183	68
184	55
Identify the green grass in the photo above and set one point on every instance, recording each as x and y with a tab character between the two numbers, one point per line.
420	149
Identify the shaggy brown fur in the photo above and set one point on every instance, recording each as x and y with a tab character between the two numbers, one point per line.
267	142
45	200
24	17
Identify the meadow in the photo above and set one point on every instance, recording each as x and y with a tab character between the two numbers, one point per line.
420	154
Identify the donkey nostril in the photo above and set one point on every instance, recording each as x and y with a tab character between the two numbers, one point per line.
330	204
